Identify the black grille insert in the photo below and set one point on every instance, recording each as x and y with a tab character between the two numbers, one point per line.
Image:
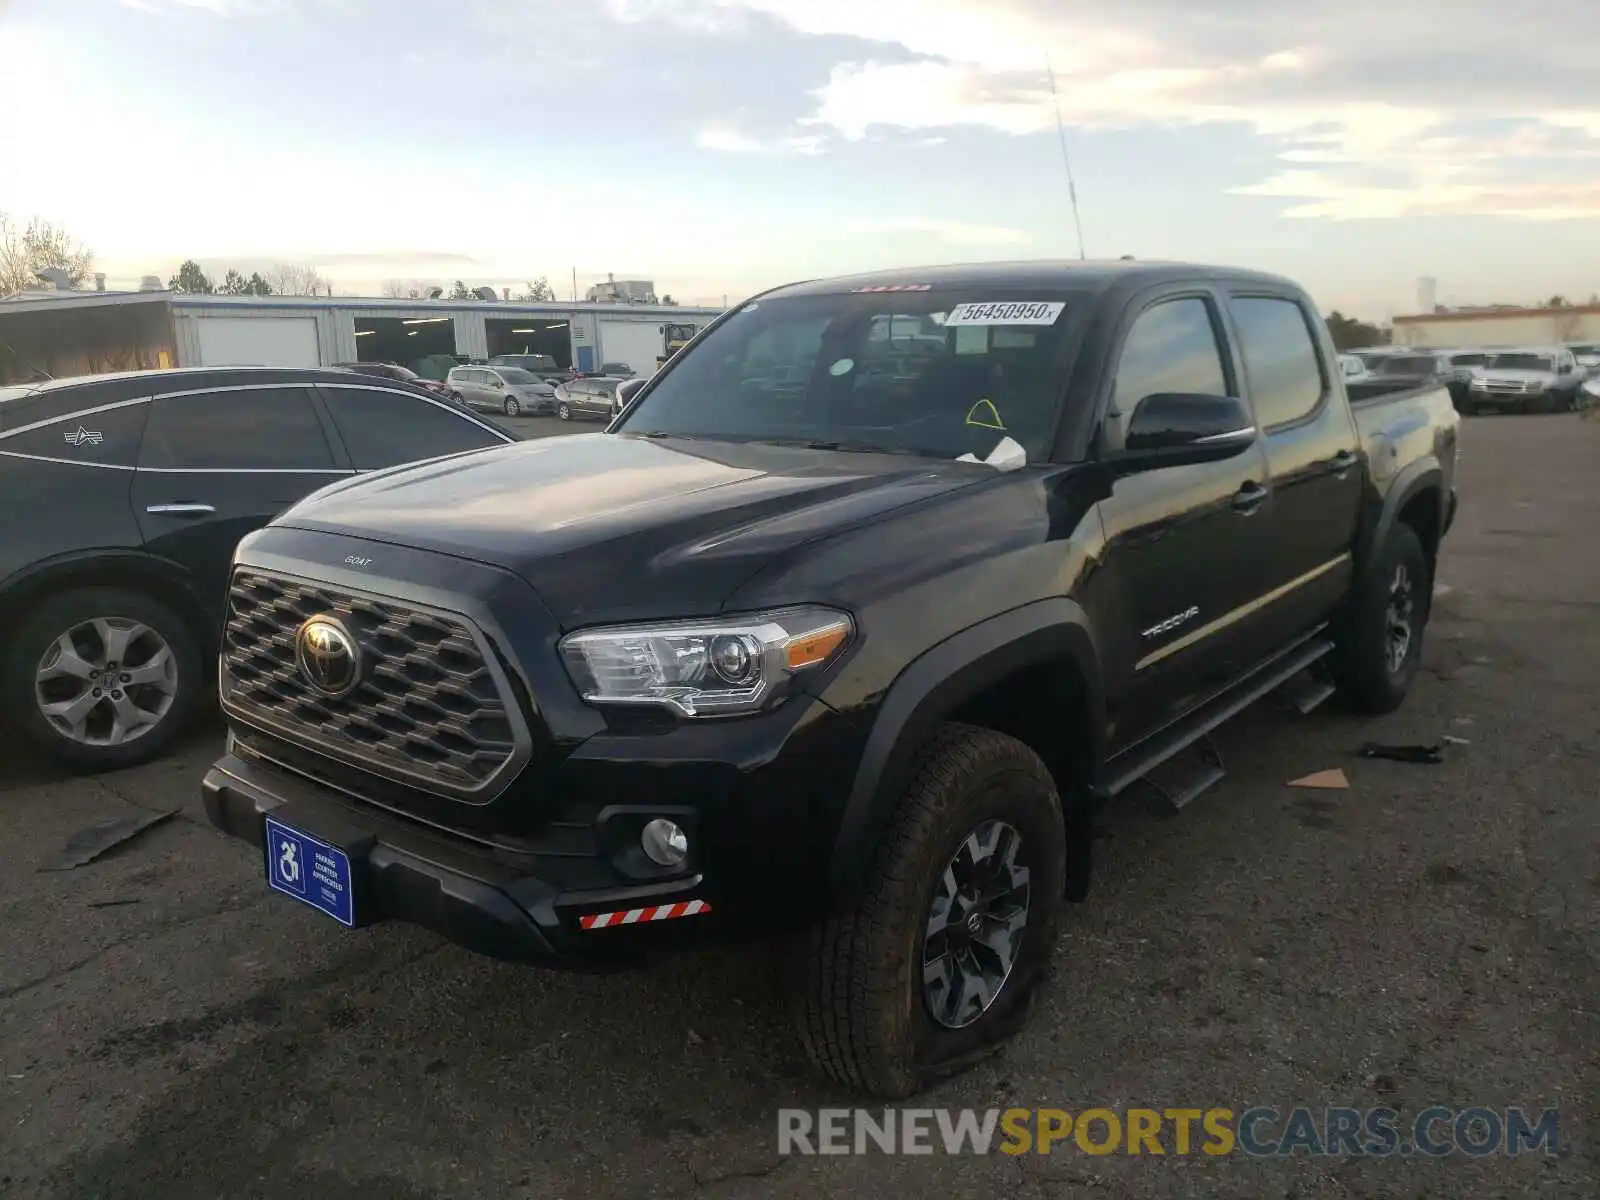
431	710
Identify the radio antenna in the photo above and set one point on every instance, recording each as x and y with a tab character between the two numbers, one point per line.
1066	159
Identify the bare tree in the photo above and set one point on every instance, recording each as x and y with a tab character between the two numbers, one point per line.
397	289
24	253
539	291
287	279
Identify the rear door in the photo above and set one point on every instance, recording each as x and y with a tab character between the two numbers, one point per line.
382	428
1313	453
218	464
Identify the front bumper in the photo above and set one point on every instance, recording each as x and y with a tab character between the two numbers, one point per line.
457	887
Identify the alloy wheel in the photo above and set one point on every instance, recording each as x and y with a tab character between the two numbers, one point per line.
975	925
513	409
1398	619
106	681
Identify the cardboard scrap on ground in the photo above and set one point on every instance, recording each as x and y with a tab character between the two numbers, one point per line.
1333	780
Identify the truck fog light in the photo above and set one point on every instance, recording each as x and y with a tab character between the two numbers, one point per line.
665	843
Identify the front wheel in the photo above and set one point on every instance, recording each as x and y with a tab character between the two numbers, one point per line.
934	965
564	412
513	409
1380	649
101	678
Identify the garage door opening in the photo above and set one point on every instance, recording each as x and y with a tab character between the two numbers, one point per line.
425	344
528	335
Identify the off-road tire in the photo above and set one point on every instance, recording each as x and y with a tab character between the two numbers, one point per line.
47	621
858	1001
1361	667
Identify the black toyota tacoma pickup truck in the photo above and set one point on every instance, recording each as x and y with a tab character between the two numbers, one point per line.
843	628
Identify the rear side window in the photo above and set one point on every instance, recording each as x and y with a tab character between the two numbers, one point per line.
106	438
1172	347
385	429
255	429
1280	359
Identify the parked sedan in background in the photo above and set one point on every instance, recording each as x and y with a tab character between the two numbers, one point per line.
590	396
617	370
110	610
1537	379
509	390
388	370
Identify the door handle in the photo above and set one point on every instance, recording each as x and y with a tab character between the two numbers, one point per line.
1249	497
181	510
1343	461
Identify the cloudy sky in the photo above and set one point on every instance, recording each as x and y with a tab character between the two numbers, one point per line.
720	146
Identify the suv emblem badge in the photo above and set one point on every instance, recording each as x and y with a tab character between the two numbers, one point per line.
328	656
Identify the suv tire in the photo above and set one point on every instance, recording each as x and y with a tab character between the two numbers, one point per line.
158	669
875	1007
513	409
1380	648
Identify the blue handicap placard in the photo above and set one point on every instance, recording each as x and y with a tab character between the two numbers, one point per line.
310	870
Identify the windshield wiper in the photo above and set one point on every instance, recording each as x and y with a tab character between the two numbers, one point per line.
842	446
658	434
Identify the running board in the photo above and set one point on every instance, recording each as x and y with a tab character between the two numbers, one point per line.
1307	691
1211	771
1138	760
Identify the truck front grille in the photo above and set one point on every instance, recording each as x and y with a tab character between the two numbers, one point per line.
431	709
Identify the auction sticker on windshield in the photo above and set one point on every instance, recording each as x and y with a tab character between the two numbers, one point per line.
1007	312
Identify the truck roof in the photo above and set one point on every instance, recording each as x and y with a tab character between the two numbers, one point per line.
1090	275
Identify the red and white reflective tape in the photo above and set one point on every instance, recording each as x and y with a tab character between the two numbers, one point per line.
635	916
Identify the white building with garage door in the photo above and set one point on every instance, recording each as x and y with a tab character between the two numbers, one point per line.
425	335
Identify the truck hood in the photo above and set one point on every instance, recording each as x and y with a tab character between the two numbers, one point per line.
1517	376
610	527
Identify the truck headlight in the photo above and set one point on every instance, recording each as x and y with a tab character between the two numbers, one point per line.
1478	385
714	667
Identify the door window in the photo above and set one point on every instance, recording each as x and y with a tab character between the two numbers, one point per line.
384	429
1280	359
106	438
1172	347
260	429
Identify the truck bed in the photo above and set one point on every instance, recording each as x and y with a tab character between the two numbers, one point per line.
1406	425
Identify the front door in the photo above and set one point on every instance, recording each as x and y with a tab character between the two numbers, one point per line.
1182	543
216	465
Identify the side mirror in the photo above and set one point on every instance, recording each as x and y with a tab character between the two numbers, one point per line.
1171	429
626	390
1565	369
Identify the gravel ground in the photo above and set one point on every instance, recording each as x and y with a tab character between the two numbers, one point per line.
168	1028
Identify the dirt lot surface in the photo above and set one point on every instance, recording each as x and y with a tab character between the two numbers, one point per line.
170	1029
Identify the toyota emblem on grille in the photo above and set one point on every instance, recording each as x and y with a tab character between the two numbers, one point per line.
328	656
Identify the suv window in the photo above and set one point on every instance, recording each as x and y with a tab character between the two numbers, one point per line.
262	429
1280	359
1171	348
384	429
106	438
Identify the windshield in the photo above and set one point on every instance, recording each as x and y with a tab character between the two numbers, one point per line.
935	373
1469	360
1406	364
1374	358
1521	362
517	375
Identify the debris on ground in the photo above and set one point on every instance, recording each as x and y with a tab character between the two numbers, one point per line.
112	903
1453	740
89	844
1334	780
1411	754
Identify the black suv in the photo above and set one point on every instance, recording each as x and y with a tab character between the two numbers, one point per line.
844	626
125	496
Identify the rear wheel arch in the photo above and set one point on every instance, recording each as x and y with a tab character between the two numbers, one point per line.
1032	673
157	577
1417	498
